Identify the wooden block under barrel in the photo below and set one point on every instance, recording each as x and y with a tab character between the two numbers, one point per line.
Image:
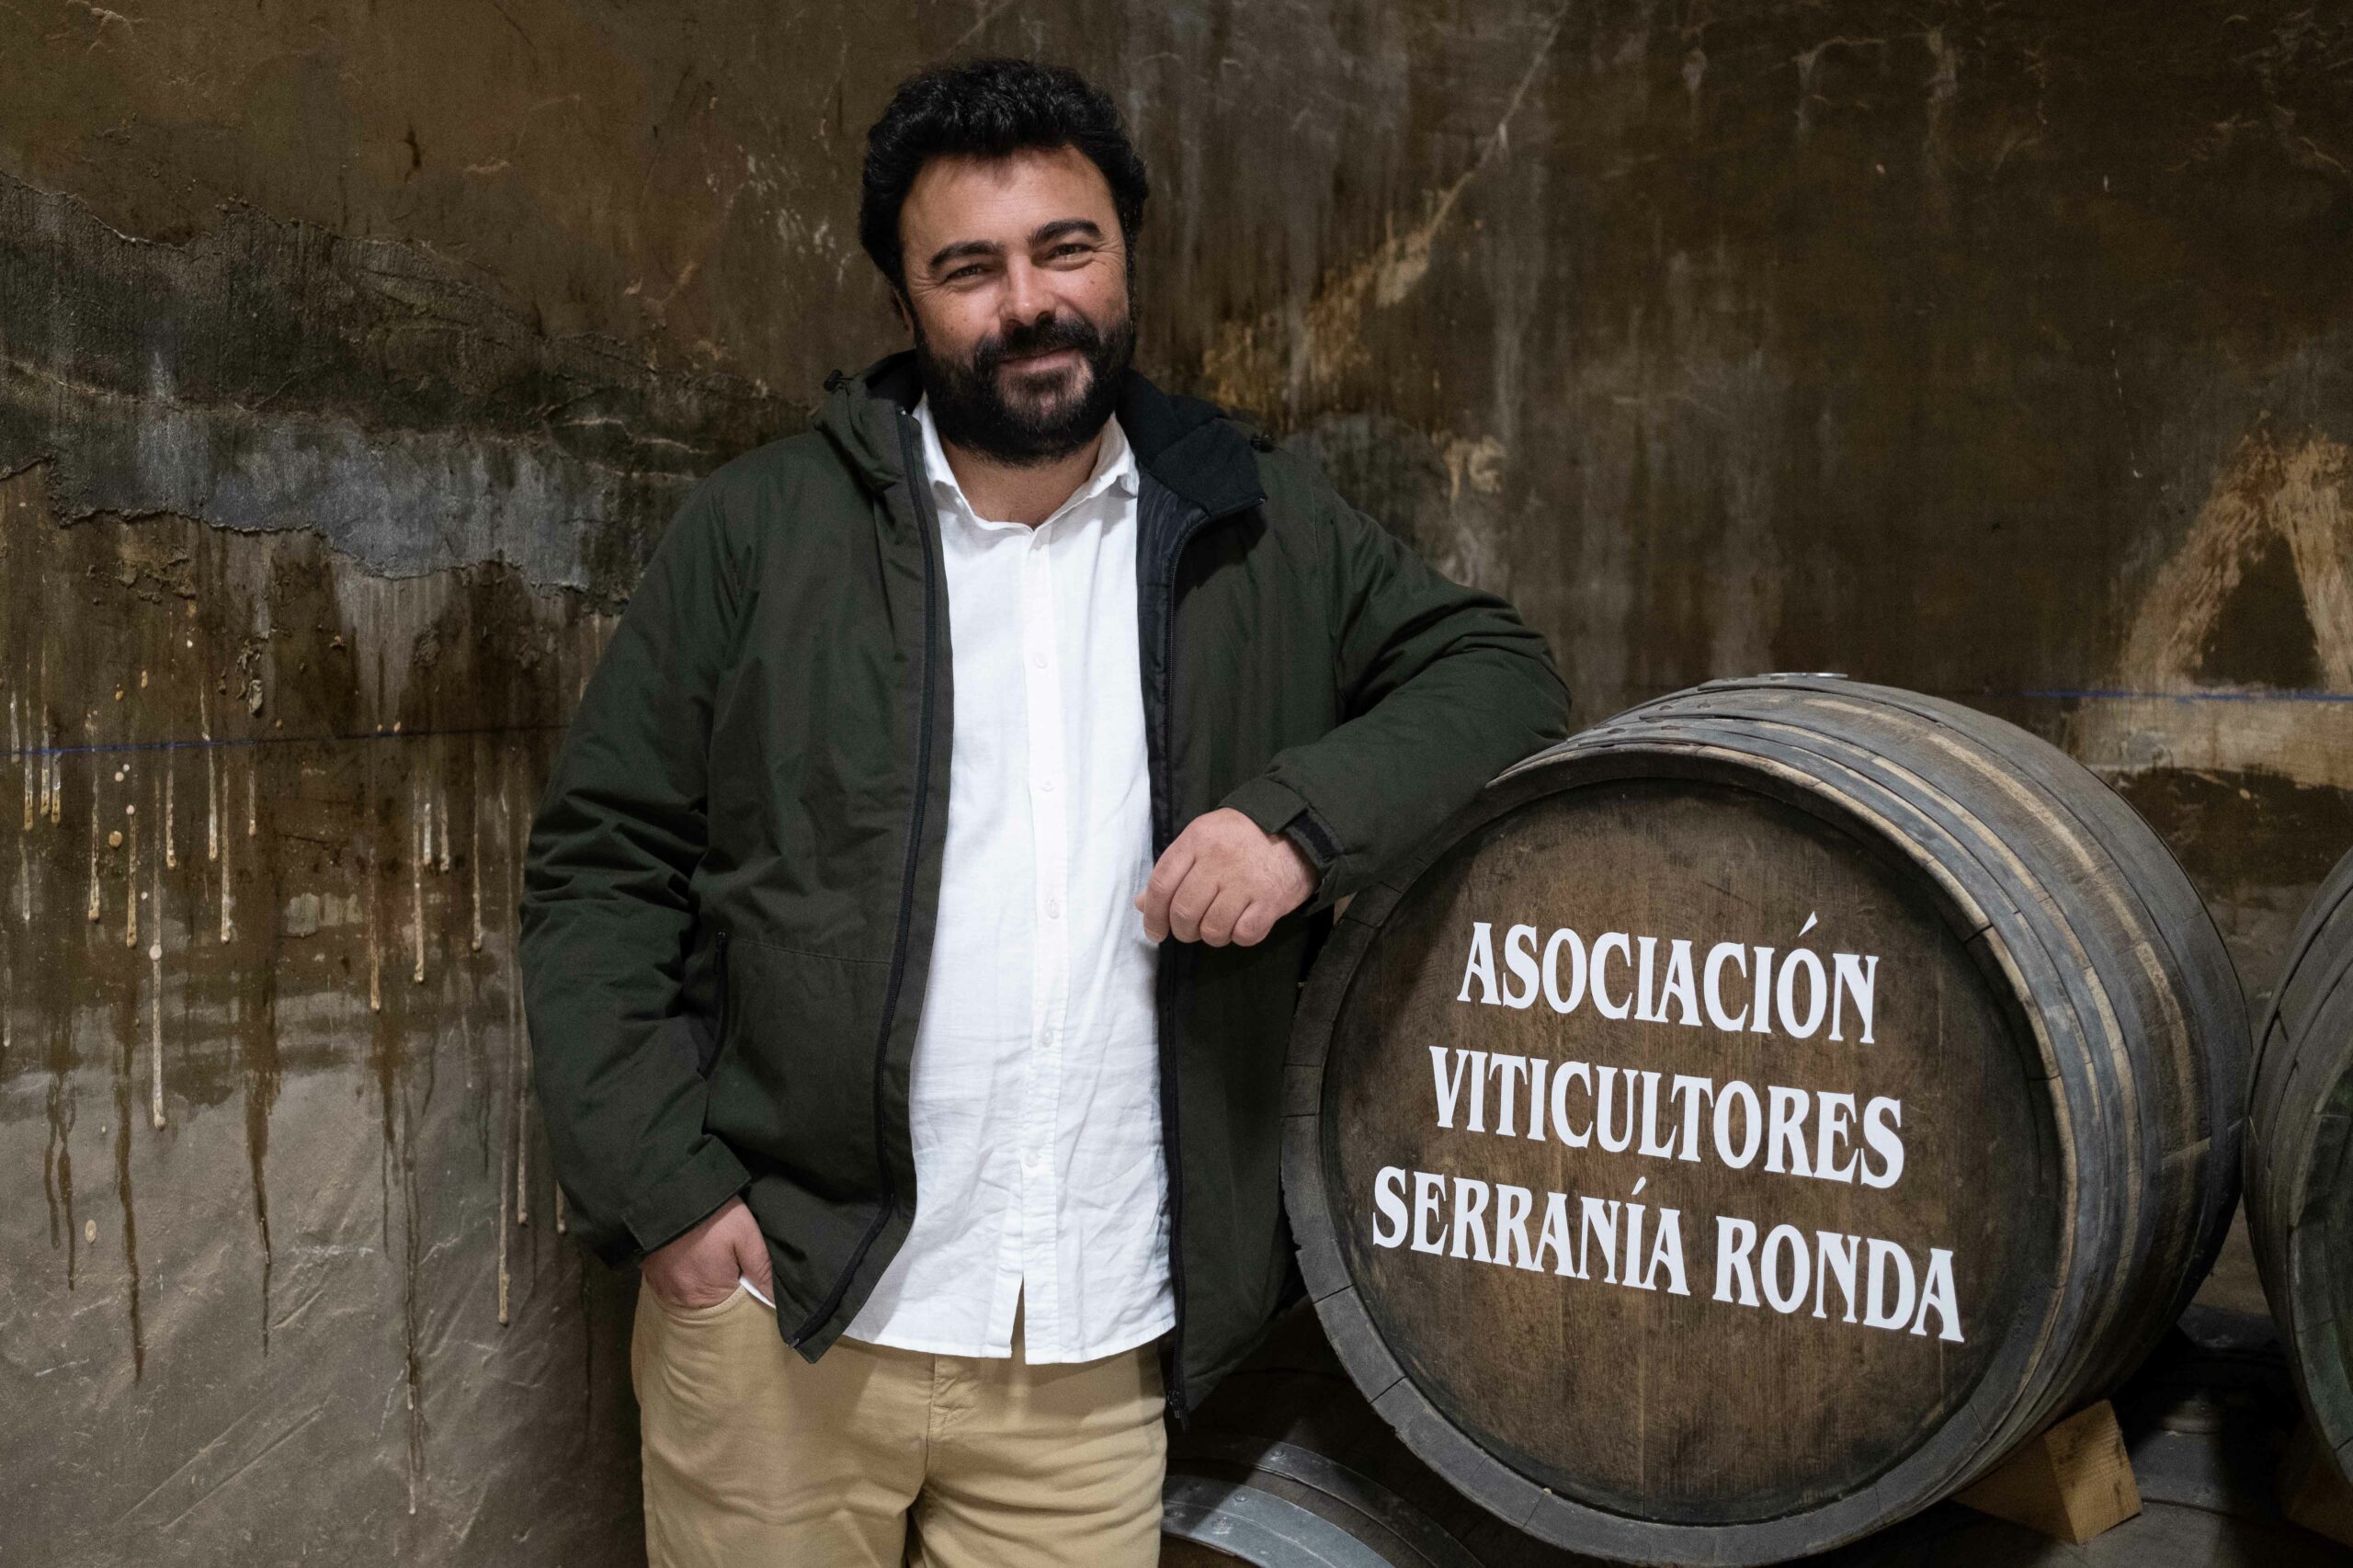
2311	1493
2072	1482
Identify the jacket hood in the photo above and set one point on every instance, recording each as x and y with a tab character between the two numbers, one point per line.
1186	443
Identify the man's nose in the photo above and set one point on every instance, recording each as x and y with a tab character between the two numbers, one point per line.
1028	298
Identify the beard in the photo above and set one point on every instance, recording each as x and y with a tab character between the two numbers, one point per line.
1026	419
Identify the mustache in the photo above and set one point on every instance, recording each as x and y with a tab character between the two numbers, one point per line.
1042	337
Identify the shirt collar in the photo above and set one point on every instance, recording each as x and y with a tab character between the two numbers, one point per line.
1114	466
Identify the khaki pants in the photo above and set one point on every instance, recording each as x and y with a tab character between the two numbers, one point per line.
876	1457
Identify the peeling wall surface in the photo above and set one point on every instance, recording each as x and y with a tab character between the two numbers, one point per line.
352	359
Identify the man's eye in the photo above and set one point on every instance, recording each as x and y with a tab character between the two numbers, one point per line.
963	273
1071	248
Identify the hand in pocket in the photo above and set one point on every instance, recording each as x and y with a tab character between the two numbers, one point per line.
702	1267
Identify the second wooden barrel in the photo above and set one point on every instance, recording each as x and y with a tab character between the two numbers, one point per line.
2299	1161
1754	1116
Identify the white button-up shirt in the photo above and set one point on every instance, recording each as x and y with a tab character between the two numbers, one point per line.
1035	1102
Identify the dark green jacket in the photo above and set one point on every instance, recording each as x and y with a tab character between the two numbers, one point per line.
731	882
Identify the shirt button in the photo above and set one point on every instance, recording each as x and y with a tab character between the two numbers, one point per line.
1053	909
1046	786
1038	658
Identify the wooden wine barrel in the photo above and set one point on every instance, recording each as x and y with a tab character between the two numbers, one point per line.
1754	1116
2299	1161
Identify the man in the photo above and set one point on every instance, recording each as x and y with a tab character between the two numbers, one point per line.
914	918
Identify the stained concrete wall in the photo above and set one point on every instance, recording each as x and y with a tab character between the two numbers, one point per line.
352	358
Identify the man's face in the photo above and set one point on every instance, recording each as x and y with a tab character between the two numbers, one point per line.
1017	289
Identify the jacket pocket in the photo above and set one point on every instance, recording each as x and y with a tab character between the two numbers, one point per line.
794	1079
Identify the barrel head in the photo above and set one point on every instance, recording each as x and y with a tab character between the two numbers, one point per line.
1686	1151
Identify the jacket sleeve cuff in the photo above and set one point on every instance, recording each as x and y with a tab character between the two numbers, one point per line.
1278	808
687	1196
1272	805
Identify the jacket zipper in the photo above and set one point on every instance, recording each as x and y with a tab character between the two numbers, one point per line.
719	1040
1177	1404
911	460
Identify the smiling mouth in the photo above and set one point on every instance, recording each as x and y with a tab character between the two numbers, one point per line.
1052	358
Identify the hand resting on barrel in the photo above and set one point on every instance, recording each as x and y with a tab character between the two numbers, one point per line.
1224	879
701	1269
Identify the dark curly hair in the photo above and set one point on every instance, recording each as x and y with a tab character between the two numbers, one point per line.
989	108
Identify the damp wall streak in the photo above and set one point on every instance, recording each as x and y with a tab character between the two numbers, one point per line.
248	915
265	376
